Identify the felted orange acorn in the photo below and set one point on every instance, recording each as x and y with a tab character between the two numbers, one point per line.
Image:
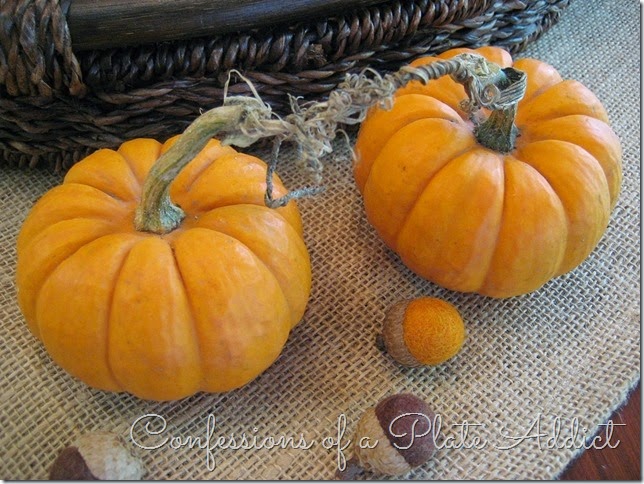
393	437
423	331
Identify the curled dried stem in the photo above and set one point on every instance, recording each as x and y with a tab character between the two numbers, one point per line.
313	127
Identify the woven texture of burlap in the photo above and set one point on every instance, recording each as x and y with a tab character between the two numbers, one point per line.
569	352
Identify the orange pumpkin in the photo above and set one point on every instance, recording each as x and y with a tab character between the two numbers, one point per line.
475	220
207	306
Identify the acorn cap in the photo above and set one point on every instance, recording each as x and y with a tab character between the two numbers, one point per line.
393	335
70	465
97	456
402	425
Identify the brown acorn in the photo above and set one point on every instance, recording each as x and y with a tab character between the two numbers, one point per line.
393	437
96	456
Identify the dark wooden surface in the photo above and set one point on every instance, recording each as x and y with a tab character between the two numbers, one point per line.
95	24
620	463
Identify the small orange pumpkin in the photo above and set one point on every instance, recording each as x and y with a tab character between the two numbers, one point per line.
207	306
475	220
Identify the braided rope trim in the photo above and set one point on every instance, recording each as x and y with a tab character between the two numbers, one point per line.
36	57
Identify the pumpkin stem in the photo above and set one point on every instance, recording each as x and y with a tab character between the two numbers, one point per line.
499	132
156	212
487	86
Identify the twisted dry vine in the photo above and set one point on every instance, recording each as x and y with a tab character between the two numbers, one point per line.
241	121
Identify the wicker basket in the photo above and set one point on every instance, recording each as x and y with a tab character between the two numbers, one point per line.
58	102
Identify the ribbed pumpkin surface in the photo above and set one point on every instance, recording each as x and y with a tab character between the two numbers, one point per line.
207	306
472	219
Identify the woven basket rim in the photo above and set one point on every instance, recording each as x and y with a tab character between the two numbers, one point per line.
56	104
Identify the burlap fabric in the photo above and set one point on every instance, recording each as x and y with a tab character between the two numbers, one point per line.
568	353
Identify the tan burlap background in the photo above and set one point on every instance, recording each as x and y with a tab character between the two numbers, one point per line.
570	351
